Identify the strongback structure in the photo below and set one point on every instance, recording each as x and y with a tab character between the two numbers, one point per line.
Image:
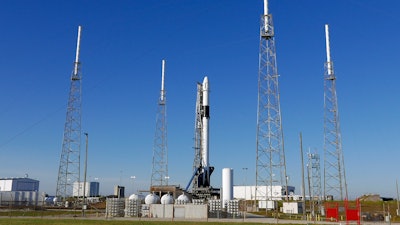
334	171
270	155
197	135
69	170
159	175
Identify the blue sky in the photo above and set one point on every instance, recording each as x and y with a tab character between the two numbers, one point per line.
123	43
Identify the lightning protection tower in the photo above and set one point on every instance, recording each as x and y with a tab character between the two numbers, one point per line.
159	175
334	172
69	170
270	155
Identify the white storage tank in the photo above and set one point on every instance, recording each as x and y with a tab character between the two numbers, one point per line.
136	197
55	200
152	199
167	199
182	199
227	185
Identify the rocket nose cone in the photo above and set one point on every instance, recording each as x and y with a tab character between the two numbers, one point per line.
205	83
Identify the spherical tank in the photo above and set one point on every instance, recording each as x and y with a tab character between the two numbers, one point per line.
152	199
167	199
183	198
134	197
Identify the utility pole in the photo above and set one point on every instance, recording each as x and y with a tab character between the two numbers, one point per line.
245	194
397	190
69	170
84	179
303	186
270	154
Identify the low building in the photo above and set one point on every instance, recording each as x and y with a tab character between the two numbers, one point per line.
277	192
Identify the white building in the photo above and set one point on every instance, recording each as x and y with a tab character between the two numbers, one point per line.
19	184
91	189
266	196
263	193
19	191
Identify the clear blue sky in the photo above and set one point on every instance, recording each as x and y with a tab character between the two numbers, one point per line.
123	43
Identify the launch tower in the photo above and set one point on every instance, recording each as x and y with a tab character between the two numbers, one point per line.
69	170
270	155
334	173
159	175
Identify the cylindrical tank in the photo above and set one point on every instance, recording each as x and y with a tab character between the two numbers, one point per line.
183	199
167	199
55	200
227	185
152	199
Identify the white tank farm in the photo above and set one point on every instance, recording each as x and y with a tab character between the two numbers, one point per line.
167	199
183	199
152	199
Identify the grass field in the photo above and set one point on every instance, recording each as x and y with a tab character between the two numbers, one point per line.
34	221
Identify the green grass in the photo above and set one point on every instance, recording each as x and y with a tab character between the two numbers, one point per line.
39	213
44	221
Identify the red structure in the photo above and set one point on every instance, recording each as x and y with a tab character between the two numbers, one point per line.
353	212
332	211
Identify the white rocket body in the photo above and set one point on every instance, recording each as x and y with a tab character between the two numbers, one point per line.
205	120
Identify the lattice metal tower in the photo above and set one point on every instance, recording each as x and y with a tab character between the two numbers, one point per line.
159	175
314	171
270	156
334	171
69	170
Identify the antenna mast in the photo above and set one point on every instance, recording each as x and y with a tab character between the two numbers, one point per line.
159	175
69	170
334	171
314	174
270	154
